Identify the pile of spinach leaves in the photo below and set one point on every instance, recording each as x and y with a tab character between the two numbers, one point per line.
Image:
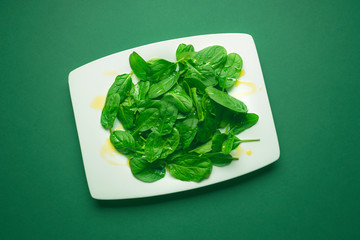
172	115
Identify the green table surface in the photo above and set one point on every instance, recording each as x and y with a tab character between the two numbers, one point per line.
309	52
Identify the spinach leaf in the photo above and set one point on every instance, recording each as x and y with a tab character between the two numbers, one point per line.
160	69
110	110
200	77
227	145
167	117
219	159
184	50
199	110
206	128
145	171
217	141
187	130
123	141
242	122
126	116
139	91
147	119
226	100
139	66
163	86
153	146
190	167
116	95
203	148
121	86
170	143
231	70
179	98
213	56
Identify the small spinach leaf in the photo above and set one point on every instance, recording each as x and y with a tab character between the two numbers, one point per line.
231	70
126	116
163	86
214	56
219	159
147	119
187	130
153	146
190	167
145	171
167	117
226	100
160	69
139	66
123	141
170	143
110	110
242	122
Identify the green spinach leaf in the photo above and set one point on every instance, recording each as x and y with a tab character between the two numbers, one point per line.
190	167
123	141
153	146
139	66
226	100
231	70
242	122
163	86
145	171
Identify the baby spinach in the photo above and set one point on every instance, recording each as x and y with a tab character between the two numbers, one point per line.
167	117
126	116
230	71
146	171
242	122
173	115
110	110
147	119
219	159
213	56
139	92
123	141
139	66
226	100
180	99
163	86
153	146
160	69
190	167
170	143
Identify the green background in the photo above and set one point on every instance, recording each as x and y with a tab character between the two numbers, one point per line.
309	52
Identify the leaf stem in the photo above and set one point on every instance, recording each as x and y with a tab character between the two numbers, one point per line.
140	152
227	128
249	140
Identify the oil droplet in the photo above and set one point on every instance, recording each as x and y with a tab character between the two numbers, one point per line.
238	151
106	73
242	73
109	150
98	102
248	152
247	93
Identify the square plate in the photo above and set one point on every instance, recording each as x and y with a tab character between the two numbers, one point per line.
107	171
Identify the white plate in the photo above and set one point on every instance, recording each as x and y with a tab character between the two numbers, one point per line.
107	172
